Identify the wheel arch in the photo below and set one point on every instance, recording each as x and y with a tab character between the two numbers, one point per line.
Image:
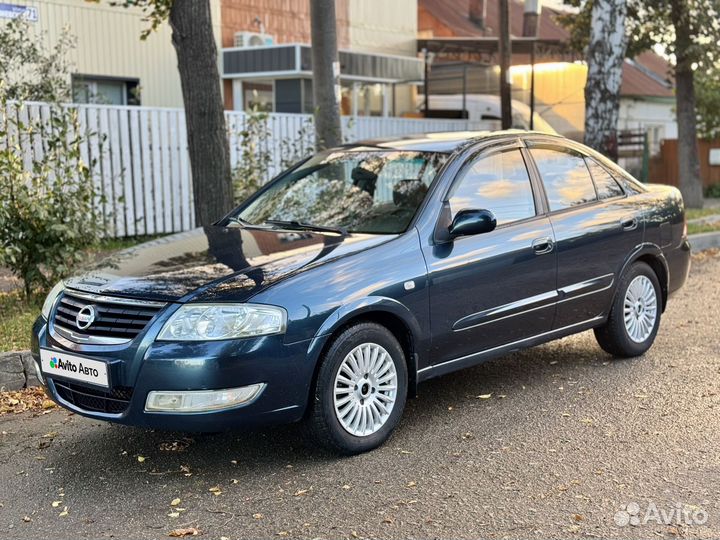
653	256
381	310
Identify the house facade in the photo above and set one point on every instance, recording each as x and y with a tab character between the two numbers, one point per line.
266	56
110	63
647	96
264	53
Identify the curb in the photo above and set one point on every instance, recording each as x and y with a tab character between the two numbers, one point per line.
17	371
701	241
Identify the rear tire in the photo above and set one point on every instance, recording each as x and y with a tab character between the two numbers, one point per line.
360	390
635	314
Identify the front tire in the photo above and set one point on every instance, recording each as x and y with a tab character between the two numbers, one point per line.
635	314
360	390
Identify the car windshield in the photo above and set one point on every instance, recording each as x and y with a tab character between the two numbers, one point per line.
368	191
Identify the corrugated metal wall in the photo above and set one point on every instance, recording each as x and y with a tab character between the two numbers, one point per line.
108	44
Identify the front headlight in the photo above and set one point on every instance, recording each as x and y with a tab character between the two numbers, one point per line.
204	322
50	300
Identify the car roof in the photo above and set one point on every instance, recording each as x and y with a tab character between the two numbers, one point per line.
446	141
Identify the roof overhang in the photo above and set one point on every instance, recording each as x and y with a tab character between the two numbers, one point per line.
555	49
294	60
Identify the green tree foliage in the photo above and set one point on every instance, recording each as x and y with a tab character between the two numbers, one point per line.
577	24
707	88
46	215
29	71
155	12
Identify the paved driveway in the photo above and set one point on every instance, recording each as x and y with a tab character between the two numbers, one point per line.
566	437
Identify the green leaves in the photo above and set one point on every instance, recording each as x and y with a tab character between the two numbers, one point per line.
47	216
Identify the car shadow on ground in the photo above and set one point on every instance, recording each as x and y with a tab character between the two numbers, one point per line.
164	454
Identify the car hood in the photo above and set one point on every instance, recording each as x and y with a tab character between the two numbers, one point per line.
215	263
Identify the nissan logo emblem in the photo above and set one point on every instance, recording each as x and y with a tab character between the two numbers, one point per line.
85	317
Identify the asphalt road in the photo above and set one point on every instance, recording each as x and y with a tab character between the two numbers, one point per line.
566	439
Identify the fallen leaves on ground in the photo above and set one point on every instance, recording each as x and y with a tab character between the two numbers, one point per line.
705	254
175	502
177	445
27	399
189	531
215	490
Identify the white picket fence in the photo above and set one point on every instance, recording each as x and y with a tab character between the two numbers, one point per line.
140	161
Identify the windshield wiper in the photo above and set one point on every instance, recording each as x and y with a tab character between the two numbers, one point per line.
302	226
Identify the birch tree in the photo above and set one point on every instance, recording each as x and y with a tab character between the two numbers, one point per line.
689	32
605	57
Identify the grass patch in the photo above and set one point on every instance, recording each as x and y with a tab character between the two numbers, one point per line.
695	213
17	315
697	228
116	244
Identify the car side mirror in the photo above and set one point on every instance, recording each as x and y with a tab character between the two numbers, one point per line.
470	222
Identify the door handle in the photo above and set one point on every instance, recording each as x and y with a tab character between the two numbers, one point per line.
629	223
543	245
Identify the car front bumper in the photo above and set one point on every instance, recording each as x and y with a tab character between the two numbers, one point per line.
146	365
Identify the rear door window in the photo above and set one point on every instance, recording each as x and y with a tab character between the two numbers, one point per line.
565	176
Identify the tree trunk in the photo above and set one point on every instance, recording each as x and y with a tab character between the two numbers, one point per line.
605	57
505	54
326	74
192	36
688	154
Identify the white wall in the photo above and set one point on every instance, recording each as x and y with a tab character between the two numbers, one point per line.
383	26
108	44
658	116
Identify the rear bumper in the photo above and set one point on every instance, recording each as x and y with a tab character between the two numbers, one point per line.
134	372
678	260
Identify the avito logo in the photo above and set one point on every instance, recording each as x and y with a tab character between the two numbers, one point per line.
65	365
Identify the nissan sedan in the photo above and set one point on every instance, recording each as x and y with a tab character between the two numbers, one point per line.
334	291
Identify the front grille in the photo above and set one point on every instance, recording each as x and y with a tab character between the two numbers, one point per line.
117	320
114	401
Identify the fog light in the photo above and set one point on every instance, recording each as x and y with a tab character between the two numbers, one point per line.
201	400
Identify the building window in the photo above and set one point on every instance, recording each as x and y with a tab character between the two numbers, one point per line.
105	90
257	96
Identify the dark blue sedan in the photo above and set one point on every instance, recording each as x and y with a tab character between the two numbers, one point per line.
331	293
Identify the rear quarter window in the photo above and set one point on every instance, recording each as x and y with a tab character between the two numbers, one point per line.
605	184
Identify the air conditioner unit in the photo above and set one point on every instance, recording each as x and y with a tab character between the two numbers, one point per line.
252	39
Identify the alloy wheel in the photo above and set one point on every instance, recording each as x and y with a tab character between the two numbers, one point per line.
365	389
640	309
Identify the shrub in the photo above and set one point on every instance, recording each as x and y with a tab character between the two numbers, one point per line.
47	214
256	156
252	169
713	191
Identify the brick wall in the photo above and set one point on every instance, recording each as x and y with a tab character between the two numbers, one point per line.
288	21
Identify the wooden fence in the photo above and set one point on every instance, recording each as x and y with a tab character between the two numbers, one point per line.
664	167
140	164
